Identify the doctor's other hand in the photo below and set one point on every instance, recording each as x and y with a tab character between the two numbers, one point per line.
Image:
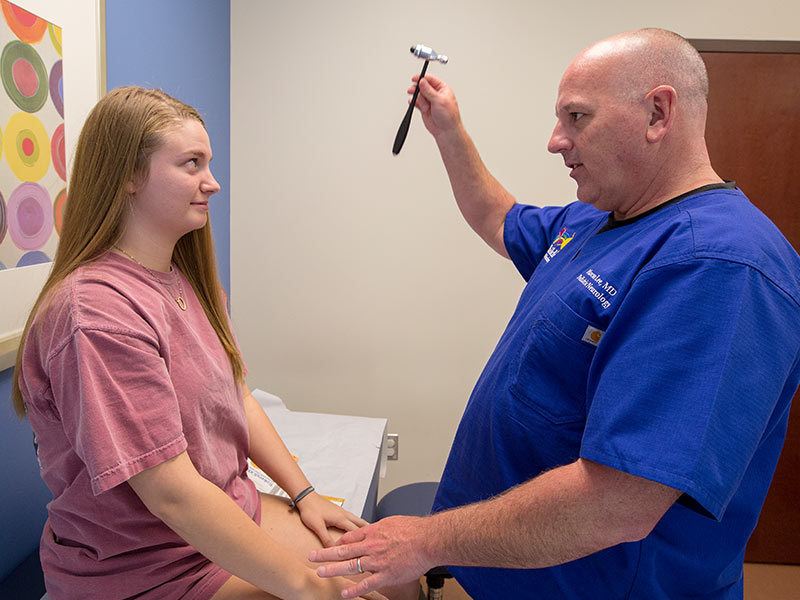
392	551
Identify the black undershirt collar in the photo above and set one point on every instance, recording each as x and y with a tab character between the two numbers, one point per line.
613	223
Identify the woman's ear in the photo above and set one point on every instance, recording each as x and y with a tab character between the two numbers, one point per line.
662	102
130	187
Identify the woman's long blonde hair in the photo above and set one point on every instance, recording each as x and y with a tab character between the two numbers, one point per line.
114	148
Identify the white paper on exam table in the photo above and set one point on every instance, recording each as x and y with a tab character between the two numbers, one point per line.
338	453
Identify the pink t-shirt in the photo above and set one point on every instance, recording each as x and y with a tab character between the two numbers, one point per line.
117	379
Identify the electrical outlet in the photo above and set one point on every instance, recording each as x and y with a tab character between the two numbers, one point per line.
392	446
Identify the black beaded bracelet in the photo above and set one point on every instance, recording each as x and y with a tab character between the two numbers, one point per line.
301	495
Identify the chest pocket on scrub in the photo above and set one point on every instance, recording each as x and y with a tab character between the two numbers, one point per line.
552	368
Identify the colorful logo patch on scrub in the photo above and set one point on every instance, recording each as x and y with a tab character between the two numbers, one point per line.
592	335
558	244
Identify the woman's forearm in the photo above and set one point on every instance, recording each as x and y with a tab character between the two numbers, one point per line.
269	452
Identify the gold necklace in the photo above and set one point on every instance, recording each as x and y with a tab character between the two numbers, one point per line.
179	300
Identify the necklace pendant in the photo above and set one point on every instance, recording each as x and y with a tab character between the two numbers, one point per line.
181	302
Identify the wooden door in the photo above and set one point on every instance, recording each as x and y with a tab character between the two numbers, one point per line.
753	137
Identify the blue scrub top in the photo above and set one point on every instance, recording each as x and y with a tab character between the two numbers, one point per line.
666	347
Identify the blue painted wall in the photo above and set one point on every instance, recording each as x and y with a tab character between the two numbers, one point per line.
182	47
23	495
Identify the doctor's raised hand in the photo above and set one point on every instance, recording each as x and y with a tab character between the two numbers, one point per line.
437	104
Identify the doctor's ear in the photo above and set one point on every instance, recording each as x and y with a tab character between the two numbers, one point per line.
661	105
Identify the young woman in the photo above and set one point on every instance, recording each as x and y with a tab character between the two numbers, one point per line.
134	386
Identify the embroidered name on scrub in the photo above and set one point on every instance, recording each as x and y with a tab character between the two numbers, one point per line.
601	290
558	244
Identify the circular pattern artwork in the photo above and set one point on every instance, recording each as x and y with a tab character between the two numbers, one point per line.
36	257
57	87
58	152
58	209
27	147
55	36
26	26
30	216
24	76
32	136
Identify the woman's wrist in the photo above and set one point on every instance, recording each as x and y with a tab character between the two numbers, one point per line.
301	495
309	501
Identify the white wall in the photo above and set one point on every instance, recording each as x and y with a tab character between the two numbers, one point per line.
356	286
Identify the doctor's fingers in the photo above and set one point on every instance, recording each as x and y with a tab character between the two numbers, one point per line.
435	82
345	568
339	552
365	588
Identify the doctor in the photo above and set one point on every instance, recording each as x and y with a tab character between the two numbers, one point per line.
621	439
